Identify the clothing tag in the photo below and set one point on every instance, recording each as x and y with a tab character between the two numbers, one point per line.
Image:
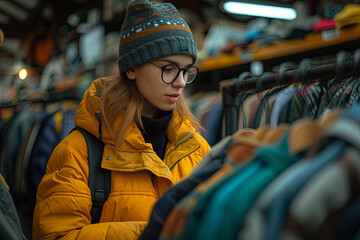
331	34
246	56
257	68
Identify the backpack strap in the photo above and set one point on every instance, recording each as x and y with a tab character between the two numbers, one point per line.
99	178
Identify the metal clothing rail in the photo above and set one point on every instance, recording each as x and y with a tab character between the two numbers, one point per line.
345	66
48	97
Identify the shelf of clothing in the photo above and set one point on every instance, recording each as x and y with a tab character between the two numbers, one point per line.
325	40
215	69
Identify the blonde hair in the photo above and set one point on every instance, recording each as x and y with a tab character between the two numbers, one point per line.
120	94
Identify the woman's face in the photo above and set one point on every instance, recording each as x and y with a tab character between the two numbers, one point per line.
159	95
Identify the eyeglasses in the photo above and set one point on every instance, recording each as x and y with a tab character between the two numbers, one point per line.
170	72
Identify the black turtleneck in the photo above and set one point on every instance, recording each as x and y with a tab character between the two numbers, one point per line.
154	131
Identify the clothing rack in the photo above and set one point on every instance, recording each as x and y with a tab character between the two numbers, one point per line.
307	71
48	97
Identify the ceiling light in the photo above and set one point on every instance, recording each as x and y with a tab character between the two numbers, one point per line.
259	10
23	73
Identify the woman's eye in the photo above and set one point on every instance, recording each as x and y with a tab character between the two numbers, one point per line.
170	69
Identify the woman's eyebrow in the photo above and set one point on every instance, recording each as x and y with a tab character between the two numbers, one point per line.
173	62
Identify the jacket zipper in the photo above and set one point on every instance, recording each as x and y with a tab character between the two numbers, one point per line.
154	177
176	146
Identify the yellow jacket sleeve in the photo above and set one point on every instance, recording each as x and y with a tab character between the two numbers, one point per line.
64	202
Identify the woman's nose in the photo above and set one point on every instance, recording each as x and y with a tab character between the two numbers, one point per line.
180	81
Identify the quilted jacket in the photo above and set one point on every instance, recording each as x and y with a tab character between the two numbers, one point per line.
138	178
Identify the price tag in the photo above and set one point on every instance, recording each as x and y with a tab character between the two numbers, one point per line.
331	34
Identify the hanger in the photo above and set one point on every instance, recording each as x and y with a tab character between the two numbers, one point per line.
261	79
264	106
240	80
302	73
342	64
356	64
283	72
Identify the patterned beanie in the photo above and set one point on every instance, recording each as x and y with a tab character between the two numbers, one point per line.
151	31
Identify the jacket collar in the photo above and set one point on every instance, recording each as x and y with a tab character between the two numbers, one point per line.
136	154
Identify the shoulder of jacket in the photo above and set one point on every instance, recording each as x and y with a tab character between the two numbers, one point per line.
204	144
74	138
73	144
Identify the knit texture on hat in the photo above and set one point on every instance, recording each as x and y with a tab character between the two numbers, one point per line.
151	31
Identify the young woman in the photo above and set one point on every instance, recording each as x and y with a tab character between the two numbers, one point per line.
151	138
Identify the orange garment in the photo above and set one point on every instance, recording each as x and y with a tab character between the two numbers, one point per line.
38	49
244	144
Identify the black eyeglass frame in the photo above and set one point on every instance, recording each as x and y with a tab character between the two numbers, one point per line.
177	75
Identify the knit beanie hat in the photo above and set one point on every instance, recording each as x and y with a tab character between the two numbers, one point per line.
151	31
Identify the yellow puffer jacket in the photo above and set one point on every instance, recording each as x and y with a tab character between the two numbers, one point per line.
138	179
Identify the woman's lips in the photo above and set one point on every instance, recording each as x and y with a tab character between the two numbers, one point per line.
173	98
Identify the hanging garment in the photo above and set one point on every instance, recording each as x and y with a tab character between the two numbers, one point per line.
312	97
264	106
47	139
17	129
283	97
223	216
213	125
342	96
23	158
211	162
208	109
332	86
10	227
268	215
241	149
348	222
355	94
68	118
312	212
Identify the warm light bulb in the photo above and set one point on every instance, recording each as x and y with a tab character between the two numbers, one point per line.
23	74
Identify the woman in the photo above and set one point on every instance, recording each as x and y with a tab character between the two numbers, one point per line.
151	138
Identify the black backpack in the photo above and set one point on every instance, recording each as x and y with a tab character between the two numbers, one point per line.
99	179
